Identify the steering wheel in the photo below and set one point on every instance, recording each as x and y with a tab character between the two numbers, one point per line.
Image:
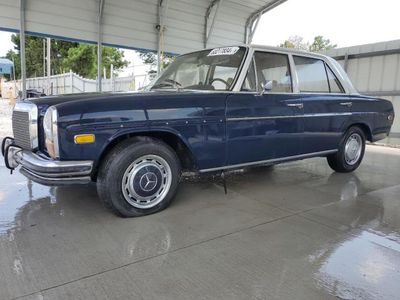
223	81
174	82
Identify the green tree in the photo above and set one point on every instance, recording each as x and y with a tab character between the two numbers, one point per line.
112	56
65	56
320	44
295	42
150	58
83	60
34	55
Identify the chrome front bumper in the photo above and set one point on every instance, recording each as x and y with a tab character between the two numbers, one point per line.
44	170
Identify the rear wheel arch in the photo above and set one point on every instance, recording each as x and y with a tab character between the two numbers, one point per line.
364	127
350	151
173	140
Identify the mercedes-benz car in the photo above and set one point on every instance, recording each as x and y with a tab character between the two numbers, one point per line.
209	111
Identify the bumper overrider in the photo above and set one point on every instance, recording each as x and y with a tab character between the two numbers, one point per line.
44	170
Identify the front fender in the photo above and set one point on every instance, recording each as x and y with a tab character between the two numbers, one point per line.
160	132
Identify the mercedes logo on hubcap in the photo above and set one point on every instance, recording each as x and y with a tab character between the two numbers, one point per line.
148	181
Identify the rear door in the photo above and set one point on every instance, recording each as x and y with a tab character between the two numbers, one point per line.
326	106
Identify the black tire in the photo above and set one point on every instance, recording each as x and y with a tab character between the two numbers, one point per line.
112	176
338	161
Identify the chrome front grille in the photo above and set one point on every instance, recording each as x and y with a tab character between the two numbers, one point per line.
24	123
20	123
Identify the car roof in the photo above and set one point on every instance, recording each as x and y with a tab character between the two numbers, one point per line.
287	50
332	63
275	49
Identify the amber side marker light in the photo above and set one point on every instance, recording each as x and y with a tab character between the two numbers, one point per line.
84	139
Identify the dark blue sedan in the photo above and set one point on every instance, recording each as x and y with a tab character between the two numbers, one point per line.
211	110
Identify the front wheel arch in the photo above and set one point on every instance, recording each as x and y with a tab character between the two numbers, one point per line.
185	154
120	176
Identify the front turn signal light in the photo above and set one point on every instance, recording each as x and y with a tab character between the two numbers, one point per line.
84	139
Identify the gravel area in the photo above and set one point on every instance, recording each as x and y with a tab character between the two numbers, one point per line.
5	118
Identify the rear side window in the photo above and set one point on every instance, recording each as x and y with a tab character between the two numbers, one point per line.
334	84
312	75
315	76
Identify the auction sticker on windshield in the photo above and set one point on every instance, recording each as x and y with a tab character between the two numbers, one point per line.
223	51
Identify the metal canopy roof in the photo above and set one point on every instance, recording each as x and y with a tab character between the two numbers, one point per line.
174	26
133	23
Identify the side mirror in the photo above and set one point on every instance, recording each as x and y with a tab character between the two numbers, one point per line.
266	86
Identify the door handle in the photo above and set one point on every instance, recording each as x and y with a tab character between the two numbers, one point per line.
348	104
298	105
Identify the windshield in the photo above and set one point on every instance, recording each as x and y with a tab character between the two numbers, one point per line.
214	69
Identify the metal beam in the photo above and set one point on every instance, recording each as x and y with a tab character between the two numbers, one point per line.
22	46
162	12
346	62
368	54
208	31
252	20
48	65
44	58
99	44
253	28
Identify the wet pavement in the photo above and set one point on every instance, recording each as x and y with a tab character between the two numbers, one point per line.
296	231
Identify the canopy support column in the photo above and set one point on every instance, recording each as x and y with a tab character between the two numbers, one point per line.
48	66
252	28
162	12
208	30
22	46
99	44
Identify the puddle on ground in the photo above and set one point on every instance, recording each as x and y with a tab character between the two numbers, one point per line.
365	266
15	192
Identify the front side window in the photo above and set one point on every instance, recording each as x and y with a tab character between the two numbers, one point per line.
272	73
249	83
214	69
311	74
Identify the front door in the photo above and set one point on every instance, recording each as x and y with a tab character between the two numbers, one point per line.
269	125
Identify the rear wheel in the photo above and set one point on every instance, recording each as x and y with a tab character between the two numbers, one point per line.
139	177
350	153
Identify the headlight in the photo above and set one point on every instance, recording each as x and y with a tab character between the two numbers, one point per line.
51	132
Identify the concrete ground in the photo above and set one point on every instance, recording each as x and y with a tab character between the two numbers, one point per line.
297	231
391	141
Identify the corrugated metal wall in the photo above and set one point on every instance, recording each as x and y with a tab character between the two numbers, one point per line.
374	70
132	23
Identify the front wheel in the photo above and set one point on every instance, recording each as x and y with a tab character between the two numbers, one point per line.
139	177
350	153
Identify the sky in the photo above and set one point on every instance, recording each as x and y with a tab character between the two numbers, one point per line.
344	22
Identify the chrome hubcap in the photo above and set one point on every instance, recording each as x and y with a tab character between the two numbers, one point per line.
146	181
353	148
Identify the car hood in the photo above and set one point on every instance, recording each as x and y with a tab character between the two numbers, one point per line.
54	100
44	103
